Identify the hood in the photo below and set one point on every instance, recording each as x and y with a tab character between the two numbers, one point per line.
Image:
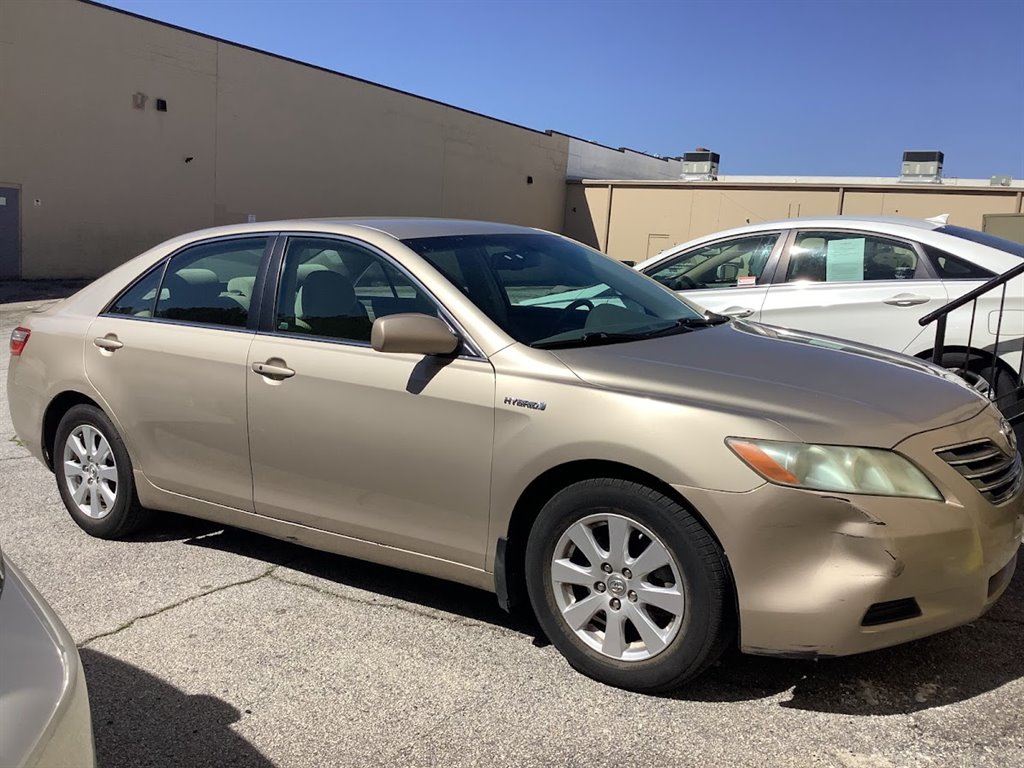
821	389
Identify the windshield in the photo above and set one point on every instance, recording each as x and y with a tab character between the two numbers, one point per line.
547	291
999	243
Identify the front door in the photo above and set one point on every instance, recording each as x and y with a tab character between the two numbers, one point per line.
10	232
855	286
169	358
389	448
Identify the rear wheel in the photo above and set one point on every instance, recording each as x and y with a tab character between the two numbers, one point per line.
94	474
628	585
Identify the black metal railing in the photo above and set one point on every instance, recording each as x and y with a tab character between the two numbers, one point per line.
1008	396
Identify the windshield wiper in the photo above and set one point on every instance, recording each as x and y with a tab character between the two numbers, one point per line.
595	338
592	339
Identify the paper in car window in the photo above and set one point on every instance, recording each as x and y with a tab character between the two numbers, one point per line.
744	281
845	260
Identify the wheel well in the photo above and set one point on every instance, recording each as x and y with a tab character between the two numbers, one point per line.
974	357
543	488
55	411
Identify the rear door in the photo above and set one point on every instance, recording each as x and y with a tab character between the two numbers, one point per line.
853	285
169	358
728	276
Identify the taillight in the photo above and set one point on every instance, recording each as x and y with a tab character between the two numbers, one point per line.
19	338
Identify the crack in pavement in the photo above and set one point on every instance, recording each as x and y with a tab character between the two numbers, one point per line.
270	573
399	606
177	604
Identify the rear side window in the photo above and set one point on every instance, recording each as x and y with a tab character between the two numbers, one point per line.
949	267
212	284
843	257
138	300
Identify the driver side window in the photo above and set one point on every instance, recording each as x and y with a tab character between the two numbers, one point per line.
725	264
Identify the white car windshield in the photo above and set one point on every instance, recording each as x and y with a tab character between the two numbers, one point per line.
547	291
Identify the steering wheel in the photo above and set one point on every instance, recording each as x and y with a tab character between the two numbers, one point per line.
572	307
682	283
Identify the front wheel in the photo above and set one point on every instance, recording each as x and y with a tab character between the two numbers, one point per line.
94	474
628	585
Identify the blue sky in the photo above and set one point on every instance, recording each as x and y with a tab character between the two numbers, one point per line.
790	88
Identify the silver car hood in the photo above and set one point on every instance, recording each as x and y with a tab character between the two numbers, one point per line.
821	389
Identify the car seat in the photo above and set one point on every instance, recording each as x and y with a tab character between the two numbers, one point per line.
327	305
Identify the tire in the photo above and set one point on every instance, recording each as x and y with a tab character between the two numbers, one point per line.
90	460
979	375
689	634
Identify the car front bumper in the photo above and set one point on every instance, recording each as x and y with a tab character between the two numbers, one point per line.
832	574
44	703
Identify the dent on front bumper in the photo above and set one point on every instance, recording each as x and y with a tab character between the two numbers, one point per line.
43	696
808	567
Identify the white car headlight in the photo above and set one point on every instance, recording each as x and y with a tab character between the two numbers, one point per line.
869	471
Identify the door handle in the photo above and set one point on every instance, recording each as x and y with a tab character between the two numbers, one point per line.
273	371
907	300
109	343
736	312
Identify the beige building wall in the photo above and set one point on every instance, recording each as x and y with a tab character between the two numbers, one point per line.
635	220
267	137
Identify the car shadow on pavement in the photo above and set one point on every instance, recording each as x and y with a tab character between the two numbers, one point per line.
942	669
426	591
139	719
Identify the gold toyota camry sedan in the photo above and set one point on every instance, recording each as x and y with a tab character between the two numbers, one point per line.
506	408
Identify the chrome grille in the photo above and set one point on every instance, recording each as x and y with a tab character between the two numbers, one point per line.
996	474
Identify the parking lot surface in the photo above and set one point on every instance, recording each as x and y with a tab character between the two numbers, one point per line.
210	646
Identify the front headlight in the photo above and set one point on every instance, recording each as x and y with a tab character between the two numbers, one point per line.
834	468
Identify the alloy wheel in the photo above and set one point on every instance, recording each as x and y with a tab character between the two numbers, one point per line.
90	471
618	587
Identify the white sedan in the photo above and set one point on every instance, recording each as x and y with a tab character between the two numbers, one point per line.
865	279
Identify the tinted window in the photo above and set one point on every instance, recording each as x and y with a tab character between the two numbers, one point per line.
999	243
336	289
138	300
212	283
728	264
838	257
546	290
949	267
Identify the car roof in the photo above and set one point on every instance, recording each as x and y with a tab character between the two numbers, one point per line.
926	231
396	227
876	223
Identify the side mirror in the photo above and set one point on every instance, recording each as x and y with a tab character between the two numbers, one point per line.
727	273
413	333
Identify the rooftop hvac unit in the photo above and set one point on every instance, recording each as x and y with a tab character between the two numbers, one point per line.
1000	181
701	165
922	166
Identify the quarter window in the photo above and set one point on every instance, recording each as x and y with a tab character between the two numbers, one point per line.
727	264
336	289
949	267
841	257
138	300
212	283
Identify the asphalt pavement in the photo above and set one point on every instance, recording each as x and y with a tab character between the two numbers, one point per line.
210	646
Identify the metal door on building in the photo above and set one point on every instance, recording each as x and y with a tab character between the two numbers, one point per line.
10	232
